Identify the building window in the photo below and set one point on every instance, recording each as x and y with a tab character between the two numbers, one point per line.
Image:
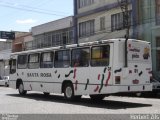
55	38
102	23
62	59
117	21
80	57
47	40
157	12
83	3
22	61
100	56
28	45
86	28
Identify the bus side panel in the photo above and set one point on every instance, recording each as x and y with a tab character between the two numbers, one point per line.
44	80
95	80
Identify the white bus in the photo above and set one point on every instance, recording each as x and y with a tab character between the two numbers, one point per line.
94	68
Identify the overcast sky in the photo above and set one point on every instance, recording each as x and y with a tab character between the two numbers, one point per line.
21	15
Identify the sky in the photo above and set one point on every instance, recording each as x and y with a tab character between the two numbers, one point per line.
22	15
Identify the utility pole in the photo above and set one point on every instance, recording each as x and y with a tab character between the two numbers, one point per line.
126	17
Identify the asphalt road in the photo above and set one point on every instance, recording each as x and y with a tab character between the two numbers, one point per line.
36	103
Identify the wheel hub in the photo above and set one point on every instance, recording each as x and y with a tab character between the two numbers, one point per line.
69	92
21	88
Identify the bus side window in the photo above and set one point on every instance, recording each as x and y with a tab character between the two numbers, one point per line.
62	59
46	60
12	64
33	61
100	55
22	62
80	57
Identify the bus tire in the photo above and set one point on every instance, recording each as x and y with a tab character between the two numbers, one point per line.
21	89
69	92
97	97
138	94
6	85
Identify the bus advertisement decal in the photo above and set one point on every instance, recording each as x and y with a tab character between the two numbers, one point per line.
101	83
59	76
96	89
67	75
99	77
75	71
105	69
119	70
55	72
140	73
76	83
86	84
109	76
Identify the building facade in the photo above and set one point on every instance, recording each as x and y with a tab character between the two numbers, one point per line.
5	51
6	48
19	44
99	19
55	33
148	28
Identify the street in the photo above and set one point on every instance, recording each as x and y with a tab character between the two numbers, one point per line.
36	103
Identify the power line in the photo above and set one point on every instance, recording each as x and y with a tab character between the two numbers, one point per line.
30	10
35	8
73	26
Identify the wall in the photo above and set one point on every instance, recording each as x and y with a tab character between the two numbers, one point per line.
101	8
53	26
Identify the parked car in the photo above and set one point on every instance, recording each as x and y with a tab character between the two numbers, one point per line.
156	86
4	81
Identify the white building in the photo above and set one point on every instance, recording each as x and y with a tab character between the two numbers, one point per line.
98	19
53	33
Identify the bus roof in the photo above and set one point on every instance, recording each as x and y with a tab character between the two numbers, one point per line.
77	45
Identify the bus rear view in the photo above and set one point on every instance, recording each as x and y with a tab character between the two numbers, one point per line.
135	77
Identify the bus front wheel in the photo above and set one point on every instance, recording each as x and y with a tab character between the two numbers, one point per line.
21	89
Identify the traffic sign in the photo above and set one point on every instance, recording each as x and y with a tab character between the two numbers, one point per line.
7	35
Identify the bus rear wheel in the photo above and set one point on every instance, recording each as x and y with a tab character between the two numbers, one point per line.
69	92
21	89
6	85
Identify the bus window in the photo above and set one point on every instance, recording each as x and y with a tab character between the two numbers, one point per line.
80	57
100	56
46	60
33	61
22	62
12	64
62	59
